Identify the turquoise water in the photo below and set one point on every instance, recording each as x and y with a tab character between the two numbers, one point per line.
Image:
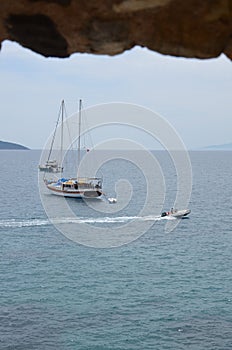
162	291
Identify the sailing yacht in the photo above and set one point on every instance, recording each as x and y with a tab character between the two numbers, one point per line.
76	187
52	165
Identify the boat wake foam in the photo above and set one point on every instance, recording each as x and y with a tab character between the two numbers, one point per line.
15	223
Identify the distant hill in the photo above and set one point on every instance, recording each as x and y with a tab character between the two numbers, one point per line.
10	145
224	147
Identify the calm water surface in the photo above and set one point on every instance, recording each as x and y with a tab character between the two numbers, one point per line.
162	291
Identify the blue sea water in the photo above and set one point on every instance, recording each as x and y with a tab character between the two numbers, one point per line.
161	291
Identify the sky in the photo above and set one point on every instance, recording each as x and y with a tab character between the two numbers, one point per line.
194	96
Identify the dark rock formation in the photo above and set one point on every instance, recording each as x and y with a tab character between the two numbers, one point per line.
188	28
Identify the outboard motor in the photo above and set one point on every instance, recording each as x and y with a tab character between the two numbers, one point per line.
163	214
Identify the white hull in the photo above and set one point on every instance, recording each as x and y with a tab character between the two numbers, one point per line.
50	169
179	214
51	166
72	193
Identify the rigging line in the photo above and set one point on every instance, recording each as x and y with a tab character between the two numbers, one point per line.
87	128
68	128
85	120
69	133
54	134
79	134
62	135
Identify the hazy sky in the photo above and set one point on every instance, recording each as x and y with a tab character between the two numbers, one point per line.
193	95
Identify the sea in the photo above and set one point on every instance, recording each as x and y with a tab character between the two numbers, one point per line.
158	289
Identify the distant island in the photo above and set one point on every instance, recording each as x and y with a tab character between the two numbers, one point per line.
224	147
11	146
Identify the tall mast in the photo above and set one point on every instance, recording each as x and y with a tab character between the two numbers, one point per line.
62	133
79	136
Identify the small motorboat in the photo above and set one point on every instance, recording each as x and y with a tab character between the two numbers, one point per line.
179	214
112	200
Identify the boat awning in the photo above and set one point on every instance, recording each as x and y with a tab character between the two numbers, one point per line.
68	182
62	180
